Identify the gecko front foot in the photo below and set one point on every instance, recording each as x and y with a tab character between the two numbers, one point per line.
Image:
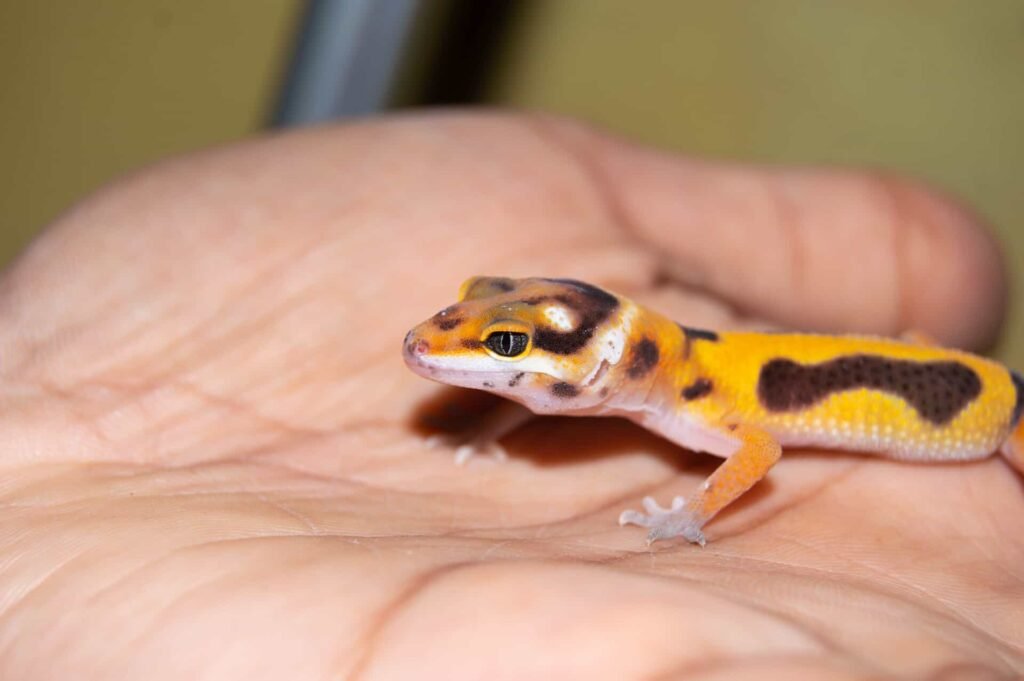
467	449
483	436
665	523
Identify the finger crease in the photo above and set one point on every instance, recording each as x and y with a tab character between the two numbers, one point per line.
787	216
901	219
604	190
387	614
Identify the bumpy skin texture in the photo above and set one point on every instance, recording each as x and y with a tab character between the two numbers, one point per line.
212	469
563	346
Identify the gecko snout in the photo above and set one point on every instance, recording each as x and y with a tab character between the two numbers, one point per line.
415	346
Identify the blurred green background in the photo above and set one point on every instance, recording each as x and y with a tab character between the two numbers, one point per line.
933	89
93	89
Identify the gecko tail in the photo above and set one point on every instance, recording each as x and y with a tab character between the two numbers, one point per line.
1013	448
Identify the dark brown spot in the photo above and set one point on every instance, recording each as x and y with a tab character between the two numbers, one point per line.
643	358
697	389
488	384
691	334
564	390
699	334
485	287
471	343
589	290
514	381
938	391
590	303
447	323
448	318
537	300
603	392
1018	407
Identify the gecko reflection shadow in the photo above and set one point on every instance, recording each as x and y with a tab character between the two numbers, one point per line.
548	441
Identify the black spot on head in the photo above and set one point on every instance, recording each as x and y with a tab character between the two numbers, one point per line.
514	381
599	296
447	319
564	390
447	323
485	287
938	391
471	343
592	306
560	343
1018	407
488	384
643	358
699	388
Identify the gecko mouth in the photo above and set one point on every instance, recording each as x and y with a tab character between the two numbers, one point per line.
480	380
420	362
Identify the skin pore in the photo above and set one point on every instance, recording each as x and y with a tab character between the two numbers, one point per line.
213	457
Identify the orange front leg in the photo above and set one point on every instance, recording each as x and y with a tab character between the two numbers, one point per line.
758	452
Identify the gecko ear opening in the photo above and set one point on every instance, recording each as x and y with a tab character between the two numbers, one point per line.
485	287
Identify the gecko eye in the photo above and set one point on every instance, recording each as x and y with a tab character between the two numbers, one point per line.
507	343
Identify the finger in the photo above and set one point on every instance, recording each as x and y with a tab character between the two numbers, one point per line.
812	248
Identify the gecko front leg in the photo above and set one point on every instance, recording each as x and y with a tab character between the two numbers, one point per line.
483	437
757	453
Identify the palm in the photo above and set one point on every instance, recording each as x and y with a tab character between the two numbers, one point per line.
214	463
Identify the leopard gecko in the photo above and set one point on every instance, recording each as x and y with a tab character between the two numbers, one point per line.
560	346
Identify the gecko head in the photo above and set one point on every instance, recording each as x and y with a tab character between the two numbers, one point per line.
546	343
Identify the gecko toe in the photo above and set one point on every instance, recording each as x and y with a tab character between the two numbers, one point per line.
651	506
466	450
630	517
665	523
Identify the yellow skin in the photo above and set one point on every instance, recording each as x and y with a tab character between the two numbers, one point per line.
560	346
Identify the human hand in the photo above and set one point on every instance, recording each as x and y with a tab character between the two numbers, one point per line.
213	466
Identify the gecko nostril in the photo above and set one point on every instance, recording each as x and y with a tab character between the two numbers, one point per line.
416	346
413	345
